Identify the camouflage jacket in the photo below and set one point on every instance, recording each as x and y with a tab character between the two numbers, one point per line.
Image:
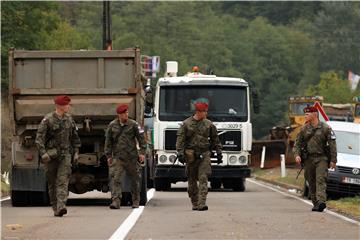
317	139
198	135
57	132
120	140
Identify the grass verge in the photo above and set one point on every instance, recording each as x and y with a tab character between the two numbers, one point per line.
347	205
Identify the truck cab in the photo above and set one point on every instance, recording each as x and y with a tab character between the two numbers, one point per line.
229	110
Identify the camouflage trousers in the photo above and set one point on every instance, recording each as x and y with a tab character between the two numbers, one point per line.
116	172
316	173
198	170
58	173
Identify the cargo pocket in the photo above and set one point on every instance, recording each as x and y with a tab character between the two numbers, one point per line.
189	156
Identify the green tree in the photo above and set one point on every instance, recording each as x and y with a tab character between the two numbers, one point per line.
337	36
24	26
332	88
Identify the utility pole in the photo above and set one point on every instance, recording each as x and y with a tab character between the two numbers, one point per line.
107	42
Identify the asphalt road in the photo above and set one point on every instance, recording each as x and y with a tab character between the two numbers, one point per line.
258	213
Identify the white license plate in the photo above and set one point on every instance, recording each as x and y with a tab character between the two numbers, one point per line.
351	180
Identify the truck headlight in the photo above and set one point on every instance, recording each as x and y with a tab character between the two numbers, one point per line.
162	158
232	159
242	160
172	158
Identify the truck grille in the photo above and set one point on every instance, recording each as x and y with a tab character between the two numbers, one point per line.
230	140
347	170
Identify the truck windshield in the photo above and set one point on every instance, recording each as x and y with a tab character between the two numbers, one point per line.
226	103
297	108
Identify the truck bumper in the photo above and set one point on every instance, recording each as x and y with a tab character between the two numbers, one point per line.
178	172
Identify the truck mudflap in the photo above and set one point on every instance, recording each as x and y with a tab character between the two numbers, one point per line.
28	187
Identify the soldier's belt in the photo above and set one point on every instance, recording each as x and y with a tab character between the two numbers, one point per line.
317	155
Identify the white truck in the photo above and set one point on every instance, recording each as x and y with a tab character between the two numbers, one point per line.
229	110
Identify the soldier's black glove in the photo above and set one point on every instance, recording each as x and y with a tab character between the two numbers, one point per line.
181	157
219	157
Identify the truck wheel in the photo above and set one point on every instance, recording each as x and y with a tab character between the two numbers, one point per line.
143	187
306	192
227	183
239	184
19	198
162	184
150	182
215	184
38	198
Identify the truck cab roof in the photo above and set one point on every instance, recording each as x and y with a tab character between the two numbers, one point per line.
201	79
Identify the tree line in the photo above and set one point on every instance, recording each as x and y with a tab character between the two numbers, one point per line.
280	48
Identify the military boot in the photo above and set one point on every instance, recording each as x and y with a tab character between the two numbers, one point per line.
203	208
135	204
319	207
115	204
60	212
194	203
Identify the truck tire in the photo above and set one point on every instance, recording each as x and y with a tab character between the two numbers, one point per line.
162	184
306	192
215	184
239	184
19	198
227	183
143	187
38	198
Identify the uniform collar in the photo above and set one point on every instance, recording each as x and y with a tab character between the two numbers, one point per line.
122	124
58	117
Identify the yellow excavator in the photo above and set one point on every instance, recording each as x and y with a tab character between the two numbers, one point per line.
281	139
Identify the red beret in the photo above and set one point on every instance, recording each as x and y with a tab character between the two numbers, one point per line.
310	109
62	100
121	108
201	106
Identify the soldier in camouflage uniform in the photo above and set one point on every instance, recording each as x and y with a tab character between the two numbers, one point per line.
316	142
195	139
57	140
122	154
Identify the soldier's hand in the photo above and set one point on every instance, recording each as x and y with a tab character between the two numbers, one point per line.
45	158
219	157
298	160
76	157
110	161
141	158
332	165
181	157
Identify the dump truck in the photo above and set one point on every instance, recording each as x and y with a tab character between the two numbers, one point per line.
281	139
96	81
229	110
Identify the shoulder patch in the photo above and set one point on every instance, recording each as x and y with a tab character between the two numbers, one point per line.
332	134
44	120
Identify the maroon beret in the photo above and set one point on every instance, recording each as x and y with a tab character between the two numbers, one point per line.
121	108
201	106
310	109
62	100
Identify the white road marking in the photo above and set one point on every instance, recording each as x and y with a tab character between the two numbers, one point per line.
130	221
305	201
5	198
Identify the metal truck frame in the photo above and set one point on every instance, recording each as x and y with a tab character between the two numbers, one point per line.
96	81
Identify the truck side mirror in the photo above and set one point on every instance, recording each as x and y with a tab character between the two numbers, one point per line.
255	101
